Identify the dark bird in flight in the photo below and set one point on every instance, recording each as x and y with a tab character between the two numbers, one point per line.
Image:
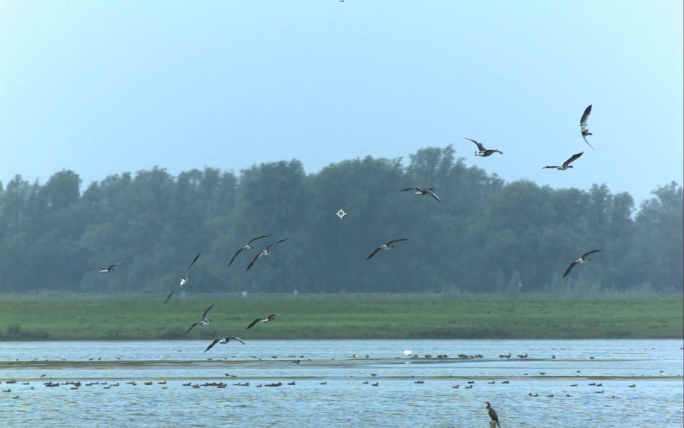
385	247
258	320
482	151
266	252
583	125
184	279
247	247
204	321
107	269
223	341
492	414
585	258
421	192
567	163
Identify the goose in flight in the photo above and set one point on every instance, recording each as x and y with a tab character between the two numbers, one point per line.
566	164
204	321
585	258
258	320
247	247
583	125
421	192
107	269
384	247
266	252
184	279
481	151
223	341
492	414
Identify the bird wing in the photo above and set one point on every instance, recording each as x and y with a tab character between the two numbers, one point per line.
204	317
265	236
585	116
238	252
172	290
282	240
572	159
113	266
396	240
479	145
191	327
584	256
252	263
434	195
253	323
550	167
270	317
585	140
373	253
237	338
212	344
572	265
410	188
193	262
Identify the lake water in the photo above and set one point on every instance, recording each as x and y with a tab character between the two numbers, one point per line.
638	383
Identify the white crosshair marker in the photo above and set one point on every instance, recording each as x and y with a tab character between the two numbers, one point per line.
341	214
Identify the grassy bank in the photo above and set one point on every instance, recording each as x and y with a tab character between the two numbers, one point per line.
341	318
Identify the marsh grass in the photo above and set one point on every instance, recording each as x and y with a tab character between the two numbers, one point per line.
351	317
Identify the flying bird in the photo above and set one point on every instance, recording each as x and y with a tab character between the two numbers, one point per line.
492	414
421	192
266	252
247	247
386	246
567	163
107	269
184	279
583	125
204	321
481	151
585	258
258	320
223	341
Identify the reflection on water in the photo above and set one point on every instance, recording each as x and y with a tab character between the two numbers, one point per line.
603	383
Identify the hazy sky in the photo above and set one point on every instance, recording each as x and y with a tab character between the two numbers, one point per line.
103	87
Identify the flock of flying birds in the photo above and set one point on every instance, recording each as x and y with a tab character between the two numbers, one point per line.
418	191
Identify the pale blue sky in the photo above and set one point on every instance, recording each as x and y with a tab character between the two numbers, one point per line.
103	87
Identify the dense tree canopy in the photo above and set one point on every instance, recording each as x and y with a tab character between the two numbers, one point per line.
485	236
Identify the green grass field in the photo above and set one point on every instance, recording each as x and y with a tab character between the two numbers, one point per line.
341	318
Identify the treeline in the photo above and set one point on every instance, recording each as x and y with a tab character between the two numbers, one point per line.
485	236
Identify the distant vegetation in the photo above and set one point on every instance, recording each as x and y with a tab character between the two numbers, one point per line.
486	236
342	317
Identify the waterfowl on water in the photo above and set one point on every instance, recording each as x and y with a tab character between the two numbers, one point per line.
482	151
385	247
204	321
567	163
223	341
492	414
266	252
259	320
247	247
107	269
184	279
585	258
583	125
421	192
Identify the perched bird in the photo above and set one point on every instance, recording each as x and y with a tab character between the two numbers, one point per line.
247	247
583	125
258	320
492	414
204	321
386	246
421	192
104	269
223	341
481	151
184	279
266	252
567	163
585	258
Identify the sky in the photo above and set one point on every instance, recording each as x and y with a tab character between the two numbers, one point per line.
103	88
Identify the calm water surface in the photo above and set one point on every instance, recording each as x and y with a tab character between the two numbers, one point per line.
636	383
